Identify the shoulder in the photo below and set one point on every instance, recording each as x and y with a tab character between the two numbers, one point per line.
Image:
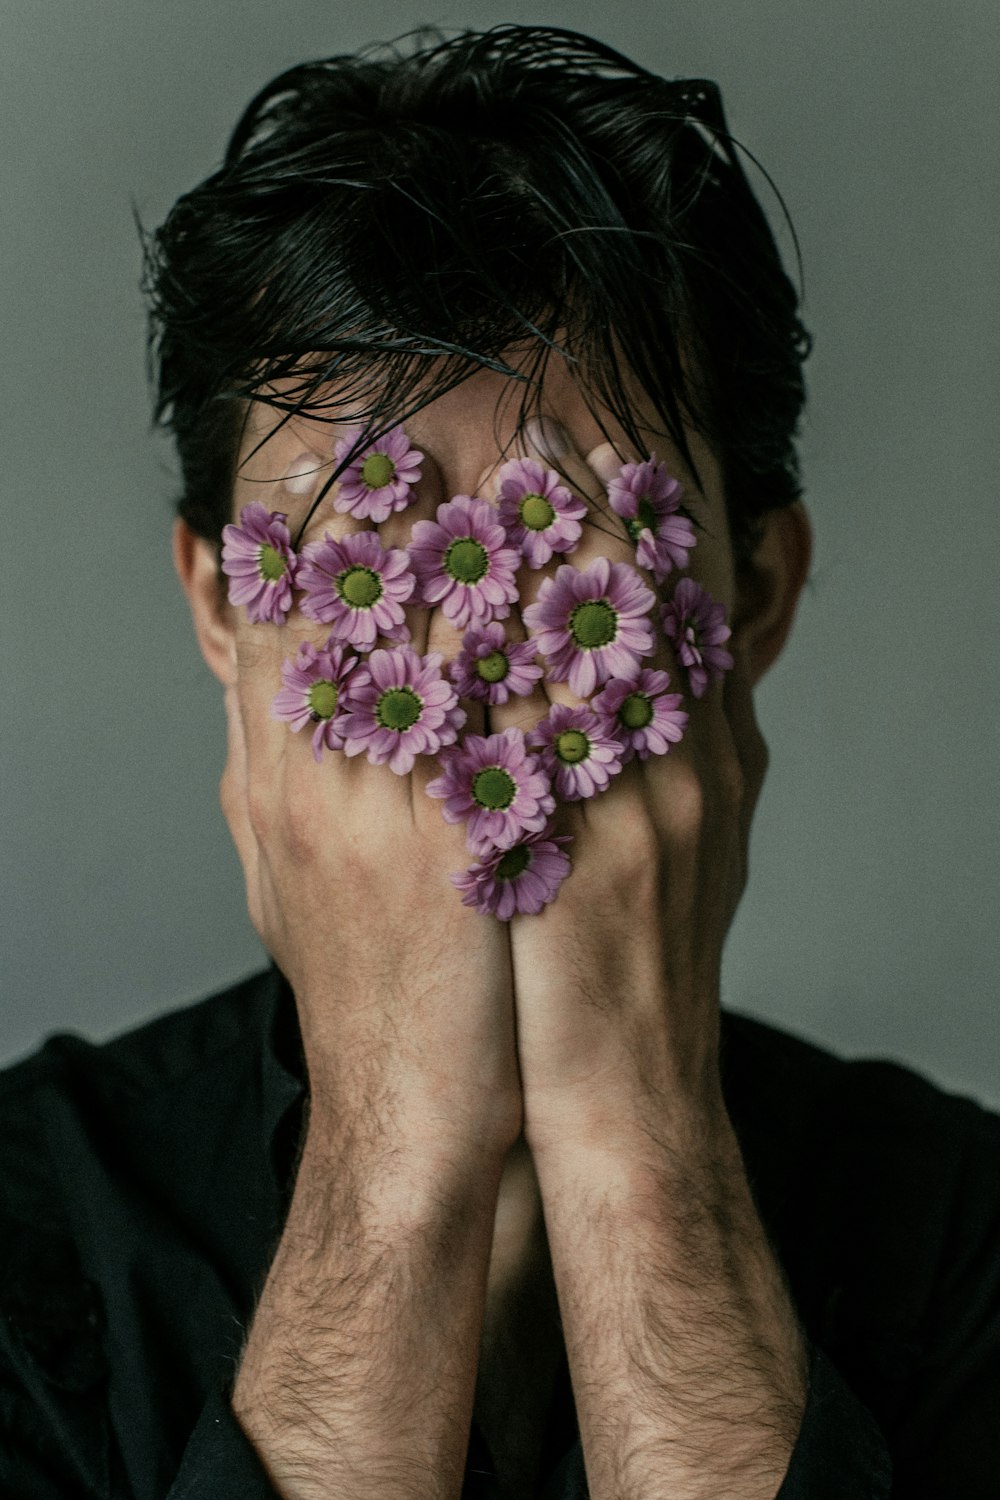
866	1134
881	1190
147	1058
93	1132
864	1111
70	1087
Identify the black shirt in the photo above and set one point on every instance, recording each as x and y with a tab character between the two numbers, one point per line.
144	1185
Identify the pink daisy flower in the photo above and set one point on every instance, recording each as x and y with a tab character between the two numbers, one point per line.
380	478
646	718
462	562
540	515
521	879
647	498
398	706
311	692
494	782
579	751
696	623
591	623
258	558
489	667
357	587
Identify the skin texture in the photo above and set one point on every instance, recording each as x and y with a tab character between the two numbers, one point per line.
524	1079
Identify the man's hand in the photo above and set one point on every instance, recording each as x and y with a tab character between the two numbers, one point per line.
358	1376
404	995
687	1360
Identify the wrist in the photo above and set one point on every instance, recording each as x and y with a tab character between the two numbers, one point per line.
404	1175
677	1129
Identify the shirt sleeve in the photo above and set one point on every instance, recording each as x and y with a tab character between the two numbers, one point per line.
840	1449
220	1462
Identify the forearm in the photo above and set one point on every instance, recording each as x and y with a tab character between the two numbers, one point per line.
359	1371
687	1359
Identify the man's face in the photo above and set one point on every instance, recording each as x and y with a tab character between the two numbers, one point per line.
466	436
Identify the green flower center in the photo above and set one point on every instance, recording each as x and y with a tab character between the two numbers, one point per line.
513	863
398	708
360	587
645	519
377	470
536	512
572	746
636	711
322	699
466	560
593	624
494	788
271	563
493	668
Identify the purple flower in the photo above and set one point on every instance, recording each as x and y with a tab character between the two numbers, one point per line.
495	783
257	555
540	515
578	750
590	623
462	562
311	692
646	718
490	668
648	498
380	478
524	878
398	706
696	624
358	587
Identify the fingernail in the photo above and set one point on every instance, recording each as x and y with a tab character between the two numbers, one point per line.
302	473
605	462
547	437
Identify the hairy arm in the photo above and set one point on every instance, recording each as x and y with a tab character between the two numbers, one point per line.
688	1363
359	1371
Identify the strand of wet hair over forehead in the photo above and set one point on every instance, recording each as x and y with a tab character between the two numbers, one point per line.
385	224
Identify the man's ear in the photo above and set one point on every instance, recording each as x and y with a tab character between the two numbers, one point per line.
768	587
197	564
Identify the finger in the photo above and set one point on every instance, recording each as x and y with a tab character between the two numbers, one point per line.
522	710
425	497
281	767
604	534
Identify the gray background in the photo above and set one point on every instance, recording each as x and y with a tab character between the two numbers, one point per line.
871	917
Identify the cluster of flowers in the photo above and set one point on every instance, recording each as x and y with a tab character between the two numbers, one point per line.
592	626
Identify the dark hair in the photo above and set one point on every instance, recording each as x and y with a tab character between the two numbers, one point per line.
394	220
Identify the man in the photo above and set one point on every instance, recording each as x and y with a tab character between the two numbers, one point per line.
444	1204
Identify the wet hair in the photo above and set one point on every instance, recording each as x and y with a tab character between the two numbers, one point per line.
386	223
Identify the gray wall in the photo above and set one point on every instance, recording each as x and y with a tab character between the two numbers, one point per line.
871	919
